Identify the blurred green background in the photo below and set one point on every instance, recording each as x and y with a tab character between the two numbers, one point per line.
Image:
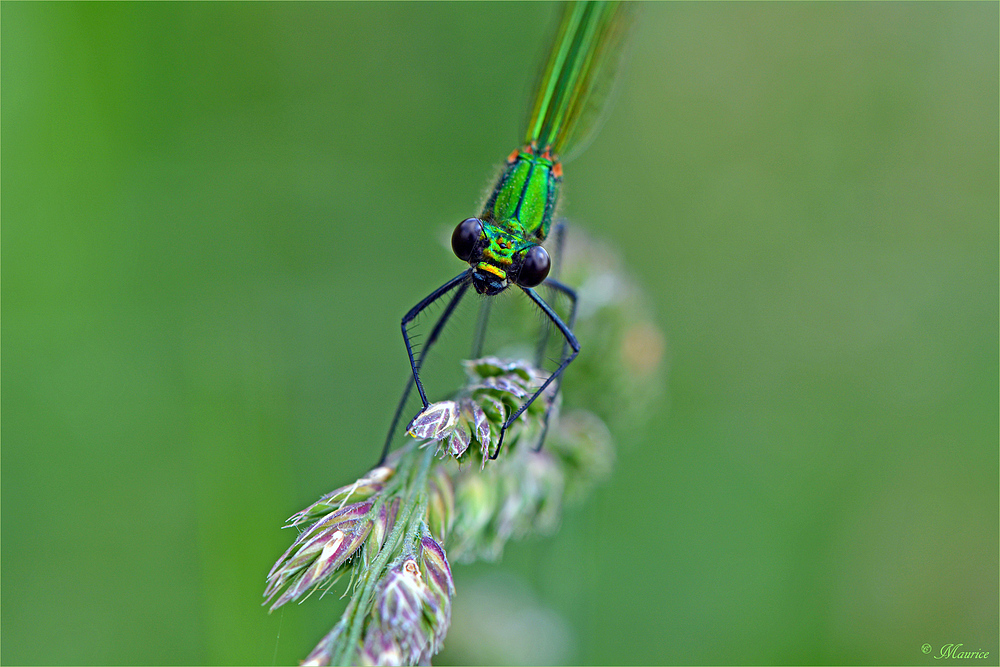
214	216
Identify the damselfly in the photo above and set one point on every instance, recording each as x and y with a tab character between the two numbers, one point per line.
503	245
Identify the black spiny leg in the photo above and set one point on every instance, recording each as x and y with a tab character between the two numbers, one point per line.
571	293
559	234
462	281
481	324
570	340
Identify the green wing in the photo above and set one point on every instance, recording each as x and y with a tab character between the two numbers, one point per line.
579	75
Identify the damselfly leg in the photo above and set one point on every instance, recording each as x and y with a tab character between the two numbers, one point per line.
571	294
482	324
462	281
559	233
570	341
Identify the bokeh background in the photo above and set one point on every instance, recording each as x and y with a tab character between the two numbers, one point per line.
214	216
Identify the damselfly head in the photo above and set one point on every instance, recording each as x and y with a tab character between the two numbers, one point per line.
499	256
528	269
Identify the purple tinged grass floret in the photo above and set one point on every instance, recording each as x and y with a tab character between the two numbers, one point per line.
412	609
318	552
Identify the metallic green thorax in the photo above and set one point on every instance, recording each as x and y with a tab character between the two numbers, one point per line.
518	213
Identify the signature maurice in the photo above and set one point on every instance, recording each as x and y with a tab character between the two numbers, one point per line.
954	651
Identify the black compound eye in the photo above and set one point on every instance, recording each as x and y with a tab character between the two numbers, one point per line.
534	267
465	237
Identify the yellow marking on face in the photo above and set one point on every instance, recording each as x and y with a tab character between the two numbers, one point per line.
492	269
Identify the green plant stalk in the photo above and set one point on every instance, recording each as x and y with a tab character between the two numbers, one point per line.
409	521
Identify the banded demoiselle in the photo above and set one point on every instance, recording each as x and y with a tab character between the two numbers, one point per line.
503	245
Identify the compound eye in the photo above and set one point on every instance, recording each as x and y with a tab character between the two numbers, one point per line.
465	237
534	267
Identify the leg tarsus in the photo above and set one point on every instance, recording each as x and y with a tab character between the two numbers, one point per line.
503	432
